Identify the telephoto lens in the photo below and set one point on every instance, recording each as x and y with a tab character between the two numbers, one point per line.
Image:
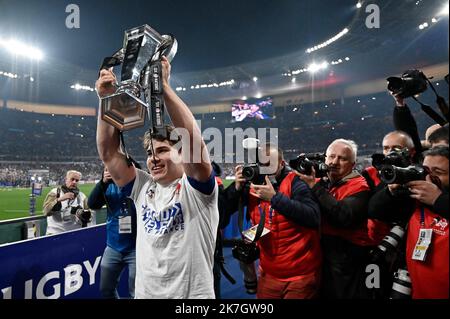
389	243
401	287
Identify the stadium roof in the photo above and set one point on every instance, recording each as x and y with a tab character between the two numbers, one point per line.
221	41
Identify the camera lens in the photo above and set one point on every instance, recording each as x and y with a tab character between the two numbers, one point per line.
388	174
395	84
248	173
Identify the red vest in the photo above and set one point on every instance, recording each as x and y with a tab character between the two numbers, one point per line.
365	234
429	278
289	250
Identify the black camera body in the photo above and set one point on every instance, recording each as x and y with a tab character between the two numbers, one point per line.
412	82
252	173
305	162
391	174
84	215
245	252
396	157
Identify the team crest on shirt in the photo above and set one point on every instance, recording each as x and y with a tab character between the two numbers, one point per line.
163	222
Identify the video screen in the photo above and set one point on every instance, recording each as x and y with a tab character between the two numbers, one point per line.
252	109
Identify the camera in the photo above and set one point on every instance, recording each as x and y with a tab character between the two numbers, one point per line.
83	215
388	245
412	82
245	252
401	287
305	162
251	173
396	157
391	174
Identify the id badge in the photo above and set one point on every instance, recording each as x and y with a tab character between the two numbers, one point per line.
66	215
125	225
422	245
251	232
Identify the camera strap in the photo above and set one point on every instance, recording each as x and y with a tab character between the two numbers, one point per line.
431	113
262	219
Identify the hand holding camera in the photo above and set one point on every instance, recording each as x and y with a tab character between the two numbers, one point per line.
424	191
67	196
264	192
239	178
82	215
310	179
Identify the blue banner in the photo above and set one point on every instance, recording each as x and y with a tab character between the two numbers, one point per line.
63	266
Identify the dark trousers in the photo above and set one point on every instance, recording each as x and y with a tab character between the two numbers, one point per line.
344	269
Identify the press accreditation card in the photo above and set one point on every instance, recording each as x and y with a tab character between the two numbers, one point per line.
125	225
422	245
251	232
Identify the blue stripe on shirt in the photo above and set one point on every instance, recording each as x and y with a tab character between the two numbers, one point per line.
204	187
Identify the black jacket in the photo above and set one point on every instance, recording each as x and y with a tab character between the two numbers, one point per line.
301	208
404	121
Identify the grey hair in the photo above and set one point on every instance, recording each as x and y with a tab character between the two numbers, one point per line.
73	172
353	146
409	140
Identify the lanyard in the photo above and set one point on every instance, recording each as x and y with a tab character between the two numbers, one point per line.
422	216
270	214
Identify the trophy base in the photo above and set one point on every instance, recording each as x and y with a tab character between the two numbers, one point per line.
123	111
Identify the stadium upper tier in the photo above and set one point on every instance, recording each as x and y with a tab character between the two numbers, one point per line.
352	52
302	127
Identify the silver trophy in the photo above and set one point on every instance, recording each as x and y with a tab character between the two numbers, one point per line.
142	49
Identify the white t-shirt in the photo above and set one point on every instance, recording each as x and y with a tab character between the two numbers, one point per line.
176	237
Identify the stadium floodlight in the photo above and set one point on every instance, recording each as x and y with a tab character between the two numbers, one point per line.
16	47
359	5
258	95
79	87
444	11
314	67
328	42
244	98
255	79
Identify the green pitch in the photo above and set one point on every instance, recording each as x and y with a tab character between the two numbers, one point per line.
15	202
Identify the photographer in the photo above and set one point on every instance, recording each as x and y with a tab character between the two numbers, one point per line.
343	198
427	248
120	250
290	255
393	145
398	149
66	207
396	203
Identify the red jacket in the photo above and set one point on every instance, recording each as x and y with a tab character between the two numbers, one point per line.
429	278
365	234
289	250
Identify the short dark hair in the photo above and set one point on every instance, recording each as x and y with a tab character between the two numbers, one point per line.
158	137
441	134
440	150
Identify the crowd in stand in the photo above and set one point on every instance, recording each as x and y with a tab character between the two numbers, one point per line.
44	138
